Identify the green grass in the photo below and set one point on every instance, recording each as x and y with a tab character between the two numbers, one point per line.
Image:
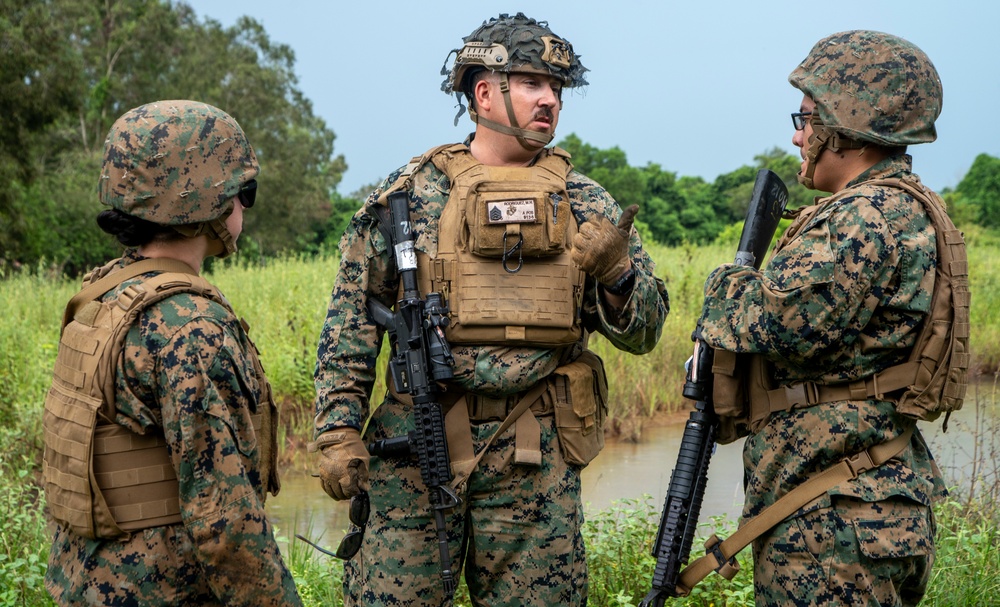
285	301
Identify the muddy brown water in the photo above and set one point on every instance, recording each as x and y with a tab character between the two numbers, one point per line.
634	471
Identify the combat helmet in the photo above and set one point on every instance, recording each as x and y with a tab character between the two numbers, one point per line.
869	87
506	45
178	163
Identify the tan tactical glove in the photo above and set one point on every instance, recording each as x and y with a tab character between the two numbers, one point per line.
601	247
343	465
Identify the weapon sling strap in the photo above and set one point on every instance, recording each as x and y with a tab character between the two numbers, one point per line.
527	441
720	554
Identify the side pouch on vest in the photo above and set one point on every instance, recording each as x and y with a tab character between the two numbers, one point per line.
729	396
503	217
579	392
66	467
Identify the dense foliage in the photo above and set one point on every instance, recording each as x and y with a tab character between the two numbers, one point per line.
674	209
71	67
977	198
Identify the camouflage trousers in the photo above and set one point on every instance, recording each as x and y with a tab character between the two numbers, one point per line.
851	553
516	535
151	567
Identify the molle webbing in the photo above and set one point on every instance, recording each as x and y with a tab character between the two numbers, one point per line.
101	479
82	390
532	297
942	350
137	478
935	378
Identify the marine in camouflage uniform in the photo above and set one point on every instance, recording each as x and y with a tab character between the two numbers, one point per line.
842	297
187	374
517	531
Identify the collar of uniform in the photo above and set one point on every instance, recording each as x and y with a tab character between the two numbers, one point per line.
893	166
130	256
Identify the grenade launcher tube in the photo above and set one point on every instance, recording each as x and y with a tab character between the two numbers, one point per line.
686	491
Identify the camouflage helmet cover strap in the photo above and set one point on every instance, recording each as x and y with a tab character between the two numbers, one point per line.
822	138
529	140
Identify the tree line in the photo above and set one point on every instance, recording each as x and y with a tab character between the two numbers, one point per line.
70	67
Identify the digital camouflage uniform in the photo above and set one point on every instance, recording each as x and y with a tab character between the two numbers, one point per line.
185	373
518	527
842	297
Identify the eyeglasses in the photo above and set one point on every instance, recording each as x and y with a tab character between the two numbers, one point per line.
799	119
359	511
248	194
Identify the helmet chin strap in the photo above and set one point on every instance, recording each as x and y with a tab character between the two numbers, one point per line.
823	138
215	230
529	140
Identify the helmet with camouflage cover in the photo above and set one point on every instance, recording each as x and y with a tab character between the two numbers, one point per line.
507	45
177	163
869	88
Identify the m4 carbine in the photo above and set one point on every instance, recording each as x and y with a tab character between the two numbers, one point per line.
420	359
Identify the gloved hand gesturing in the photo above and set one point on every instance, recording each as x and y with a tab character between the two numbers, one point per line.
601	247
343	465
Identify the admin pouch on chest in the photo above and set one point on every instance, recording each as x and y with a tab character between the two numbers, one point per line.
931	383
102	480
503	261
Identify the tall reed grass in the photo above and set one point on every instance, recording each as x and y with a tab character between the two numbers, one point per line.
285	302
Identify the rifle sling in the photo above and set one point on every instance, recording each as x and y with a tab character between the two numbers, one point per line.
527	441
719	556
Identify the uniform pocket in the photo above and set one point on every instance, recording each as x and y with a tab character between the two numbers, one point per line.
894	538
241	410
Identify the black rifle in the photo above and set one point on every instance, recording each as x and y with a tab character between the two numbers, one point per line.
420	358
682	505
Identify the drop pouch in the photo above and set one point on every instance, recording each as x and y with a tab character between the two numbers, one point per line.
579	392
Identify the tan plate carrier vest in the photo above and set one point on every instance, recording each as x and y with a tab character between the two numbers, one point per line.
933	381
103	481
532	296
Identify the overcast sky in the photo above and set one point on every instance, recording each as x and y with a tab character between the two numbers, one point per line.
699	88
